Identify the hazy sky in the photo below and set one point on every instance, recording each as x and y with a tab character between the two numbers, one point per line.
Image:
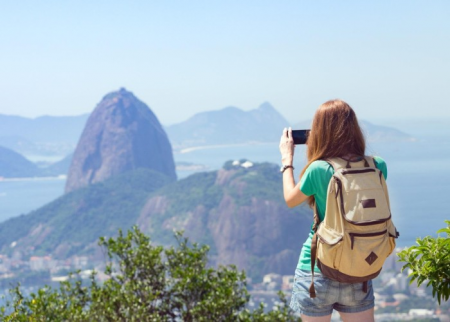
388	59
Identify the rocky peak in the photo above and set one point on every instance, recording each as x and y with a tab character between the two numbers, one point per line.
267	107
121	134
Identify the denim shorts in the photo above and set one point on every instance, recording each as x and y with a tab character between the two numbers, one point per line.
342	297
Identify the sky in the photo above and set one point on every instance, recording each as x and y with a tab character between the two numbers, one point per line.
387	59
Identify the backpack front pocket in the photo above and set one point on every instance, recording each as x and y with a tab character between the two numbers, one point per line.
362	202
365	253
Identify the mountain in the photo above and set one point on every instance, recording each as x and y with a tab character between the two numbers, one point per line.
45	135
14	165
57	168
228	126
372	132
238	210
383	133
121	134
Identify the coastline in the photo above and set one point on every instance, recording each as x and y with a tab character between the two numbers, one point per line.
216	146
60	177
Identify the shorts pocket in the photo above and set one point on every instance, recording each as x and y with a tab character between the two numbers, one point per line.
359	294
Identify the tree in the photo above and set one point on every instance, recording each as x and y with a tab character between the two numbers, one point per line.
429	261
147	283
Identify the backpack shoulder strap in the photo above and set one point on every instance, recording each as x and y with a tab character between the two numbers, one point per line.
312	290
341	163
337	163
371	161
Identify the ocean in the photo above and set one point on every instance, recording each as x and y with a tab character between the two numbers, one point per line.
418	180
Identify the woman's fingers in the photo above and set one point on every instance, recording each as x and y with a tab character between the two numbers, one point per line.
286	137
287	146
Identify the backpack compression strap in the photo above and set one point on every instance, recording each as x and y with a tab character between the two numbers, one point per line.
312	290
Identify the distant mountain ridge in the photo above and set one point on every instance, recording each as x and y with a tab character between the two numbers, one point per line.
48	135
383	133
227	126
371	131
44	135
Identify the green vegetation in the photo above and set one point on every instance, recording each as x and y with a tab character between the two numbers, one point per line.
226	209
185	196
78	218
430	261
147	283
261	181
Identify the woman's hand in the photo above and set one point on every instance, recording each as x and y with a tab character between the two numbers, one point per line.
287	147
292	193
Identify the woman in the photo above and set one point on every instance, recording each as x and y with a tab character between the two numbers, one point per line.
335	132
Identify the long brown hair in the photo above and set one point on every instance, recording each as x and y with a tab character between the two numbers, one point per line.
335	132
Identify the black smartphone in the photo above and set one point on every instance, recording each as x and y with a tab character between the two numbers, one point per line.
300	136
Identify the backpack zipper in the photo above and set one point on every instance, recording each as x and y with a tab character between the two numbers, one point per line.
344	172
341	197
353	235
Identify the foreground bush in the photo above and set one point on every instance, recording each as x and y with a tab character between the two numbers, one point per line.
147	283
429	261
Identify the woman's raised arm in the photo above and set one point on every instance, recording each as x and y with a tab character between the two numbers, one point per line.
292	193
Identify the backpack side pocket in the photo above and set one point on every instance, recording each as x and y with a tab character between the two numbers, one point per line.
329	250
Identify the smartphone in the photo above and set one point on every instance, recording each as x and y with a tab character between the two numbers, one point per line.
300	136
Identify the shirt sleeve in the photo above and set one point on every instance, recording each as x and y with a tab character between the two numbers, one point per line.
316	178
381	164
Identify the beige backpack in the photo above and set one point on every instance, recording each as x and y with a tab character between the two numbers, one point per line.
357	234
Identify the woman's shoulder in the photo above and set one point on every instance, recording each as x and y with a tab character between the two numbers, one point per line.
378	160
319	165
380	163
320	168
316	177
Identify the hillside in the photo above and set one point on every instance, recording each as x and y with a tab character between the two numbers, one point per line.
239	212
72	223
57	168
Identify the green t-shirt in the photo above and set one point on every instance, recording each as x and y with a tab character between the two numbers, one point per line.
315	182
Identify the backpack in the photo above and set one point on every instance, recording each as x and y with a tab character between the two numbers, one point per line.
357	233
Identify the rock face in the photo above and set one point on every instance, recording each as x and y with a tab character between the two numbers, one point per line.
120	135
239	212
